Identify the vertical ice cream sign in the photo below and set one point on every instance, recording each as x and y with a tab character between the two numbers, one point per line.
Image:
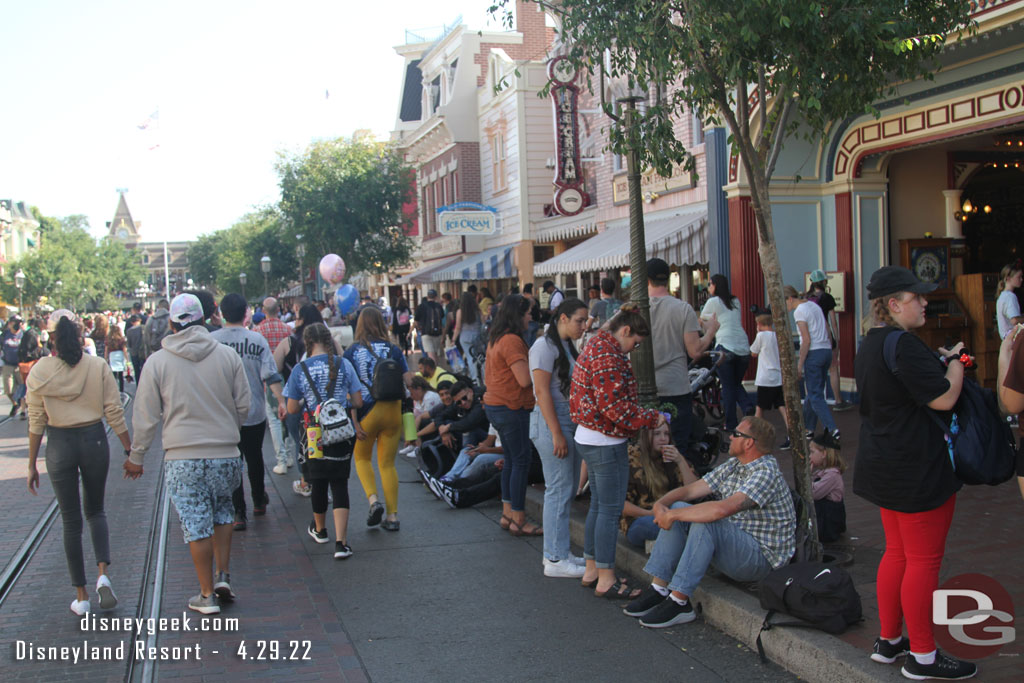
570	195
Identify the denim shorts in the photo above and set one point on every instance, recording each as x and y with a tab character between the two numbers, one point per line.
201	492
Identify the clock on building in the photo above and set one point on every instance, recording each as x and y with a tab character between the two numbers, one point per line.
122	233
928	259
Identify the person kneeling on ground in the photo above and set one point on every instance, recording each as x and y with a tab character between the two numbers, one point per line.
748	531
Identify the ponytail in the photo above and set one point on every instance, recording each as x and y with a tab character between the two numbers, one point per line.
68	341
629	314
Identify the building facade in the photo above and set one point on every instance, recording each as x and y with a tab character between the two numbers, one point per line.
163	261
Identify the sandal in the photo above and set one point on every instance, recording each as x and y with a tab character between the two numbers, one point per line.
588	584
619	590
524	530
505	523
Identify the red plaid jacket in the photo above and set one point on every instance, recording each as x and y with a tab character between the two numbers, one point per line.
603	395
274	330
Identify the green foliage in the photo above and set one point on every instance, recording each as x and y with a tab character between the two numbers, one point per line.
217	259
92	272
347	197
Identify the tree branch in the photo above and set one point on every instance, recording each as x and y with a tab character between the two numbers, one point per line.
778	135
762	94
742	108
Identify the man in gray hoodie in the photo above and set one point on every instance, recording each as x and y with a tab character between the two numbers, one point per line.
198	388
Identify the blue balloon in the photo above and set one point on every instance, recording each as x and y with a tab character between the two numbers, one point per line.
346	298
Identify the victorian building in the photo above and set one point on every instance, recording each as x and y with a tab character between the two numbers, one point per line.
163	261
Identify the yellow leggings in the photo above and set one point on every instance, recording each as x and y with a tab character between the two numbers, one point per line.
382	425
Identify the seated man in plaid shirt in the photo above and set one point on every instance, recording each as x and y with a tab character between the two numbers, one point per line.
745	532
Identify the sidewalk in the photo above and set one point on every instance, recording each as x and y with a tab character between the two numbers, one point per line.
984	538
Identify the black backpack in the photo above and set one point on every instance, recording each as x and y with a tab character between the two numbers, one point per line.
983	447
388	383
822	596
433	319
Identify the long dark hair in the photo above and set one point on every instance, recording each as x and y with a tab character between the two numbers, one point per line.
309	314
68	341
470	309
509	318
568	308
29	349
721	284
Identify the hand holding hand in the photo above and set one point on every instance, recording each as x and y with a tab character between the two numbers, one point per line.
131	470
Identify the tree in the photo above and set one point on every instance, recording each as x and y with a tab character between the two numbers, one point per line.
69	254
347	197
217	259
768	69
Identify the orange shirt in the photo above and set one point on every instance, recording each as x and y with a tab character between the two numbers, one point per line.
502	387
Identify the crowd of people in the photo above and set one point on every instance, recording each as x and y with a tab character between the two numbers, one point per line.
507	394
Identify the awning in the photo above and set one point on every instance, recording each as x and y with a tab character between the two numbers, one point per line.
294	291
679	238
566	227
491	264
422	276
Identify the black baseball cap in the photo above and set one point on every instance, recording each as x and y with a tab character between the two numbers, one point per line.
658	270
891	279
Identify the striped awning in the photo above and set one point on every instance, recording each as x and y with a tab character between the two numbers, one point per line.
566	227
680	238
491	264
422	276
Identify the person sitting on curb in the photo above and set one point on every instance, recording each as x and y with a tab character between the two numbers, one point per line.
463	423
746	532
430	372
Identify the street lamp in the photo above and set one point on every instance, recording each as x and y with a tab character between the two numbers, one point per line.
59	285
19	282
242	279
301	251
265	267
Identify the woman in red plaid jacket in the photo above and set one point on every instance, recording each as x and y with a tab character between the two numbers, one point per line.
603	404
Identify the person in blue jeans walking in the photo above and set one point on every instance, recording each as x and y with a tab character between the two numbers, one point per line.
507	403
731	340
815	359
552	358
748	530
655	467
604	405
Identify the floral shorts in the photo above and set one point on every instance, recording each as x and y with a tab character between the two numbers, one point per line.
201	491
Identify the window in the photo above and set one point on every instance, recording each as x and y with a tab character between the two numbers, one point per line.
499	160
698	129
437	202
455	186
428	213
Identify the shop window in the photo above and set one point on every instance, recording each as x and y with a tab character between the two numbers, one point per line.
498	155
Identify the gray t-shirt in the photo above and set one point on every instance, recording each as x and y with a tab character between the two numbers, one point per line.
543	355
258	363
671	318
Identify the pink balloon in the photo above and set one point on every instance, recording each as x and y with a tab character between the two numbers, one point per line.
332	268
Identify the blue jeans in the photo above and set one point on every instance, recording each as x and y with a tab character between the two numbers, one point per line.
731	372
278	434
460	464
561	478
513	427
482	462
816	367
608	470
683	553
641	530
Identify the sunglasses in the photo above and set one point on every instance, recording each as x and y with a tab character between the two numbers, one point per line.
737	434
465	399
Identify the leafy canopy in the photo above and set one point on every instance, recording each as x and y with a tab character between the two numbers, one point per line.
347	197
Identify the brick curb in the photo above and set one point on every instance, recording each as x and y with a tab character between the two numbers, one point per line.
810	654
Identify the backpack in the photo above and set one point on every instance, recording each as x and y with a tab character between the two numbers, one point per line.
330	415
388	381
822	596
156	329
981	444
433	319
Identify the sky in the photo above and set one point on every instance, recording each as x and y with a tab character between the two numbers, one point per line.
187	104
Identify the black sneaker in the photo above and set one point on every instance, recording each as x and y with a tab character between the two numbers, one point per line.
669	613
260	510
786	445
14	409
342	551
450	496
318	536
944	668
240	521
644	603
376	514
885	652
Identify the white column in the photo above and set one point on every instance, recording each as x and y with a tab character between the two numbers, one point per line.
954	228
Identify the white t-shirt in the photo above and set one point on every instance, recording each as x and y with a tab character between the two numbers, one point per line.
497	436
556	299
590	437
731	334
769	367
1007	307
810	313
431	399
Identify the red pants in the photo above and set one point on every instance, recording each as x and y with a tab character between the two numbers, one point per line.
909	572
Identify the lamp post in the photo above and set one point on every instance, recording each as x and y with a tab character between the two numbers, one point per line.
242	278
301	251
59	285
265	267
19	282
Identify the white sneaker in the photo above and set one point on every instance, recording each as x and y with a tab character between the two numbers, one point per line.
80	607
563	569
280	469
106	592
576	559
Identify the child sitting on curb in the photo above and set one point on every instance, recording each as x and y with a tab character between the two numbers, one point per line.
827	487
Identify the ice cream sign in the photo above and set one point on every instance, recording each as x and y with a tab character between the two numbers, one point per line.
467	218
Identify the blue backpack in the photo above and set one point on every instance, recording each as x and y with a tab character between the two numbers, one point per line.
981	444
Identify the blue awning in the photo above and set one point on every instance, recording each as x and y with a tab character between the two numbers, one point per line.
491	264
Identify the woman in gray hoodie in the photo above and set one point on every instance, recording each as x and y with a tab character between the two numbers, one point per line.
68	395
